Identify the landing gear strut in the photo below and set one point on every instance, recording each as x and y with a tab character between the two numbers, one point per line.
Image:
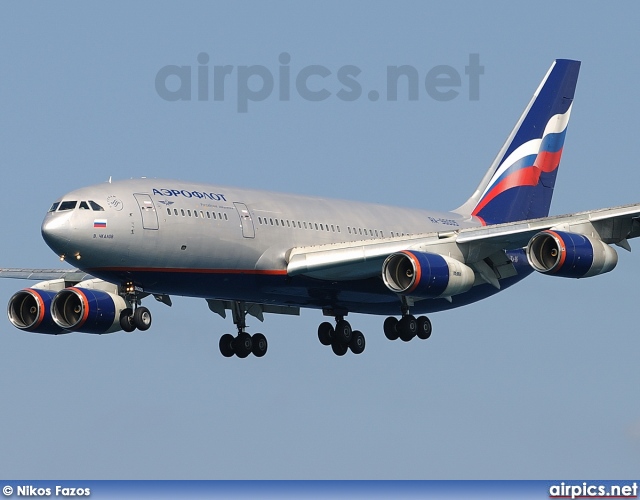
341	337
243	343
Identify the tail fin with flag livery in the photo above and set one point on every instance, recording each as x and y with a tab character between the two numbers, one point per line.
519	184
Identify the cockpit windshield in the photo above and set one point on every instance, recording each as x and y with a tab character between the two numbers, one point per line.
67	205
60	206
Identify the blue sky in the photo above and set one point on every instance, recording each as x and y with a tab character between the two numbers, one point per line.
538	382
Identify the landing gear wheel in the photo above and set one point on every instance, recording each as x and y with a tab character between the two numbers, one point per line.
142	318
391	328
325	333
226	345
242	345
407	328
339	349
424	328
343	332
126	320
357	343
258	345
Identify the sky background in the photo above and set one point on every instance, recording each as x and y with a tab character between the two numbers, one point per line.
538	382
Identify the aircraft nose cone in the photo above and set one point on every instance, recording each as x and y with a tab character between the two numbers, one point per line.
55	232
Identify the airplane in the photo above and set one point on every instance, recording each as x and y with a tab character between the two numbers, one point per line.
255	252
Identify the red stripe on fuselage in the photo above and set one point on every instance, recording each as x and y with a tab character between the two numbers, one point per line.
268	272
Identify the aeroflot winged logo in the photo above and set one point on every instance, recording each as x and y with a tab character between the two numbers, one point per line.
189	194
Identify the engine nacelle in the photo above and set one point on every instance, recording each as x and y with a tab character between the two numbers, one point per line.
570	255
426	275
30	310
87	310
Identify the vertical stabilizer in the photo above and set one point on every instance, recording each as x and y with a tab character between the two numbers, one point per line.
519	184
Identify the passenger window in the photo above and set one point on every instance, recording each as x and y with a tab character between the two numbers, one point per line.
54	207
195	213
182	211
208	215
201	214
95	206
168	211
67	205
189	213
225	217
175	211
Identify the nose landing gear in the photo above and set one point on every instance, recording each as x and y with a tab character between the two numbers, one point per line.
137	317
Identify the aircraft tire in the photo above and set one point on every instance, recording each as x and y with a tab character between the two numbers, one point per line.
391	328
259	345
226	345
357	343
242	345
339	349
126	320
424	328
142	318
407	328
343	332
325	333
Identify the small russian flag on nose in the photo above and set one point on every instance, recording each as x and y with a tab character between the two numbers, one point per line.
100	223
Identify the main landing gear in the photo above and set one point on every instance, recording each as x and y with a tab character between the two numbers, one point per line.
243	343
407	327
341	337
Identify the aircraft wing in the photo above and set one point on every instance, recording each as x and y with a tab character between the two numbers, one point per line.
363	259
70	275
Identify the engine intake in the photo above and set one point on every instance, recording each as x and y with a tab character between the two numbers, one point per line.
29	310
86	310
427	275
570	255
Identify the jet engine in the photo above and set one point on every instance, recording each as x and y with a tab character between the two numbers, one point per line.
427	275
29	310
570	255
87	310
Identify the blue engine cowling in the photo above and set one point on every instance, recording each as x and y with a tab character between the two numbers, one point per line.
86	310
570	255
428	275
30	310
